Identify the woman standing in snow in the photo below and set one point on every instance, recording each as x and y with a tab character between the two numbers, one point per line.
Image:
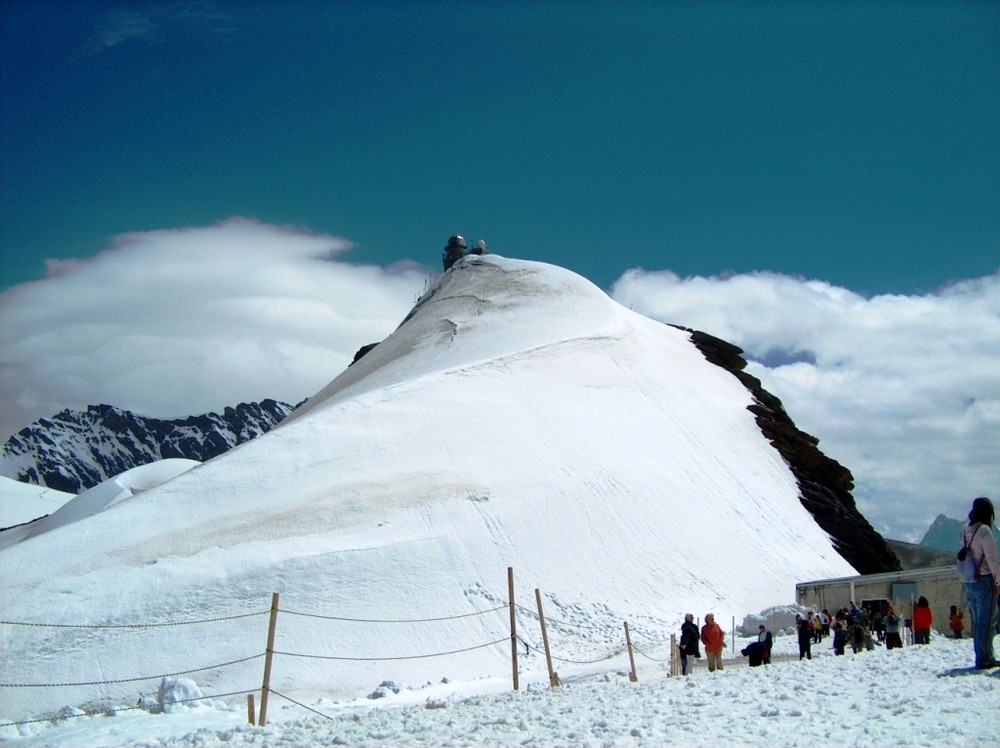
714	640
922	620
688	644
977	535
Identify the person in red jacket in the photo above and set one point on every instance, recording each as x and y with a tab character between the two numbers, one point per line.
922	619
714	640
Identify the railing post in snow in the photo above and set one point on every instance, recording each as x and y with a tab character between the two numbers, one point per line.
513	623
268	654
631	657
553	675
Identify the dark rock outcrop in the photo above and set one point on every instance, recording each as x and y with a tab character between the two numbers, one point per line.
361	353
824	484
76	450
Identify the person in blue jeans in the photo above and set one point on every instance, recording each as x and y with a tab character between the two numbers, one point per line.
977	535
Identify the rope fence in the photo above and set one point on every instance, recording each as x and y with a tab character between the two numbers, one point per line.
580	637
391	659
392	620
132	680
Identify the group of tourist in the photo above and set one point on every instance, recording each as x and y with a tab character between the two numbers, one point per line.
853	626
714	639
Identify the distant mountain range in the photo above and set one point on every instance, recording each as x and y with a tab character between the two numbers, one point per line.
75	450
944	534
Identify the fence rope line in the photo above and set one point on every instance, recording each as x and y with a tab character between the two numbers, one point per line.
648	657
110	711
505	640
390	620
591	662
132	625
299	703
131	680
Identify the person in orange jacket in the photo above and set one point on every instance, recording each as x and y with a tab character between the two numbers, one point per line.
714	640
956	621
922	619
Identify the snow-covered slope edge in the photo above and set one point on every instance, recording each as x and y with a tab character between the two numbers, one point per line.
518	418
100	497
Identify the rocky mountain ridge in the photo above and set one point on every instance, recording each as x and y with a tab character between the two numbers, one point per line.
824	484
78	449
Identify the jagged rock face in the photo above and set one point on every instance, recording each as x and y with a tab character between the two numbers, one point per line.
76	450
824	483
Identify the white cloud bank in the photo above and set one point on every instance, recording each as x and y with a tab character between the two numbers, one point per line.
902	390
176	322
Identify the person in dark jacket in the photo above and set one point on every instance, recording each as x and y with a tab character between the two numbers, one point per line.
755	651
805	634
840	638
689	644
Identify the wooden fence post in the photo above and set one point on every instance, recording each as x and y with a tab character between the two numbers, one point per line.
268	654
673	656
251	717
513	624
553	675
631	657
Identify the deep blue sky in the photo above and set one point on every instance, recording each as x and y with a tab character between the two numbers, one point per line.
852	142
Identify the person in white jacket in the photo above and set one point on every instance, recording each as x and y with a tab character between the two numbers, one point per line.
977	534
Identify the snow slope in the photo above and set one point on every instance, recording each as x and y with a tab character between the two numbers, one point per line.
517	418
23	502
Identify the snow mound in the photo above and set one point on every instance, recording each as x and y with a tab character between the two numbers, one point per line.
100	497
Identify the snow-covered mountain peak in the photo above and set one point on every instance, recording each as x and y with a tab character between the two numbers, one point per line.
517	418
484	307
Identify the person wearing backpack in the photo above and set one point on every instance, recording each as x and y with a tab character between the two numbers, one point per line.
977	537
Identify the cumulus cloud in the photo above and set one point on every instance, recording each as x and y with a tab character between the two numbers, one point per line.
902	390
176	322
